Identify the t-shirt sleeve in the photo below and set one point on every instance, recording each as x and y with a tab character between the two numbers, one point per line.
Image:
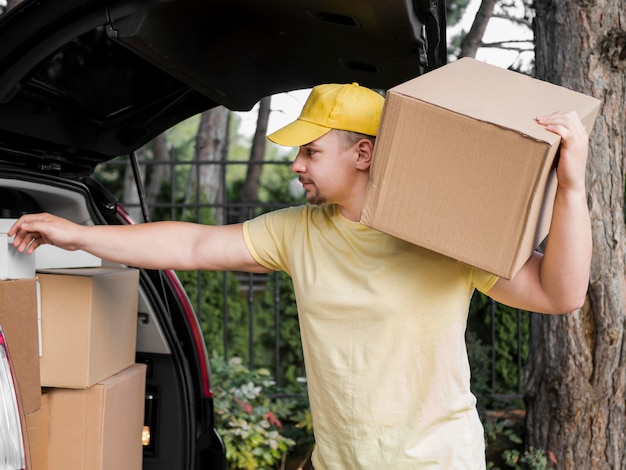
483	281
268	238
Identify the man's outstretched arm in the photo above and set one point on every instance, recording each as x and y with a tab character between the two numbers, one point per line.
157	245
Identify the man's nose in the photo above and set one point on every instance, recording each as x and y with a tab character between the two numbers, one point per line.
297	165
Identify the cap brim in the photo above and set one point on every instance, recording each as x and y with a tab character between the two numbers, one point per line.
298	133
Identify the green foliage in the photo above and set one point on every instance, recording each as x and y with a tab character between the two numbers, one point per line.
506	340
290	361
501	437
455	10
531	459
505	448
212	293
254	426
478	355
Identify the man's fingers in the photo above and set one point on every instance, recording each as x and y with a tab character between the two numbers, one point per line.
26	236
34	244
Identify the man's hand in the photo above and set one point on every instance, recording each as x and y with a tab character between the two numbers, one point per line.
34	230
573	150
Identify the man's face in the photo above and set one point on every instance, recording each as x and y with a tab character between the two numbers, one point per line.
326	169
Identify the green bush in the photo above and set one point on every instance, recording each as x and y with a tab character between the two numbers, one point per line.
217	290
290	360
506	342
531	459
247	419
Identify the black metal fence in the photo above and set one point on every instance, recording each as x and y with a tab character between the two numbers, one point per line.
250	285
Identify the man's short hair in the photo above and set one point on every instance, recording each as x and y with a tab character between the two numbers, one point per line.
349	138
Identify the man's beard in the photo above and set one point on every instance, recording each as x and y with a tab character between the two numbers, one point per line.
313	197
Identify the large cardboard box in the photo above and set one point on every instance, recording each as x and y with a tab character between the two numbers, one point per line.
88	324
99	428
462	168
38	429
18	318
13	264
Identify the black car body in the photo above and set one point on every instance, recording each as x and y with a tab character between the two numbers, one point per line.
84	81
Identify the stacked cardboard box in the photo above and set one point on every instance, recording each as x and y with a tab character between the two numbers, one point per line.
18	318
38	426
98	428
90	414
88	324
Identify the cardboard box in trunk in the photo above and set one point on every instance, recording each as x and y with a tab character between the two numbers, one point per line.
99	428
462	168
88	324
18	318
14	265
38	429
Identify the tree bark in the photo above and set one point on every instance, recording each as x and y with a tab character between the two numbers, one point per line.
250	192
474	37
576	372
160	171
211	146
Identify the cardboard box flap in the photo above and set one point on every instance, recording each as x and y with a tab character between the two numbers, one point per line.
515	98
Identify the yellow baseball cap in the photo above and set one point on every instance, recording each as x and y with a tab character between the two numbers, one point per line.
347	107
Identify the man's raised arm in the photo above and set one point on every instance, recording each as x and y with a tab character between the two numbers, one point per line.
557	282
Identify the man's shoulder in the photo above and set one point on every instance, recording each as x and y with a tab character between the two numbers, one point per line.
306	211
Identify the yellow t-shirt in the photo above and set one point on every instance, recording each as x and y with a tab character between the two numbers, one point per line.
383	332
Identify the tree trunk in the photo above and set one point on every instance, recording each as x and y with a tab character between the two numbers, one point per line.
577	363
474	37
211	146
250	192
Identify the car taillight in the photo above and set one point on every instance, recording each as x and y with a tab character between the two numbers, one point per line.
12	454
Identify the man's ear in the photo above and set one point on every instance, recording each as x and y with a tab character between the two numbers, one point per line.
365	148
